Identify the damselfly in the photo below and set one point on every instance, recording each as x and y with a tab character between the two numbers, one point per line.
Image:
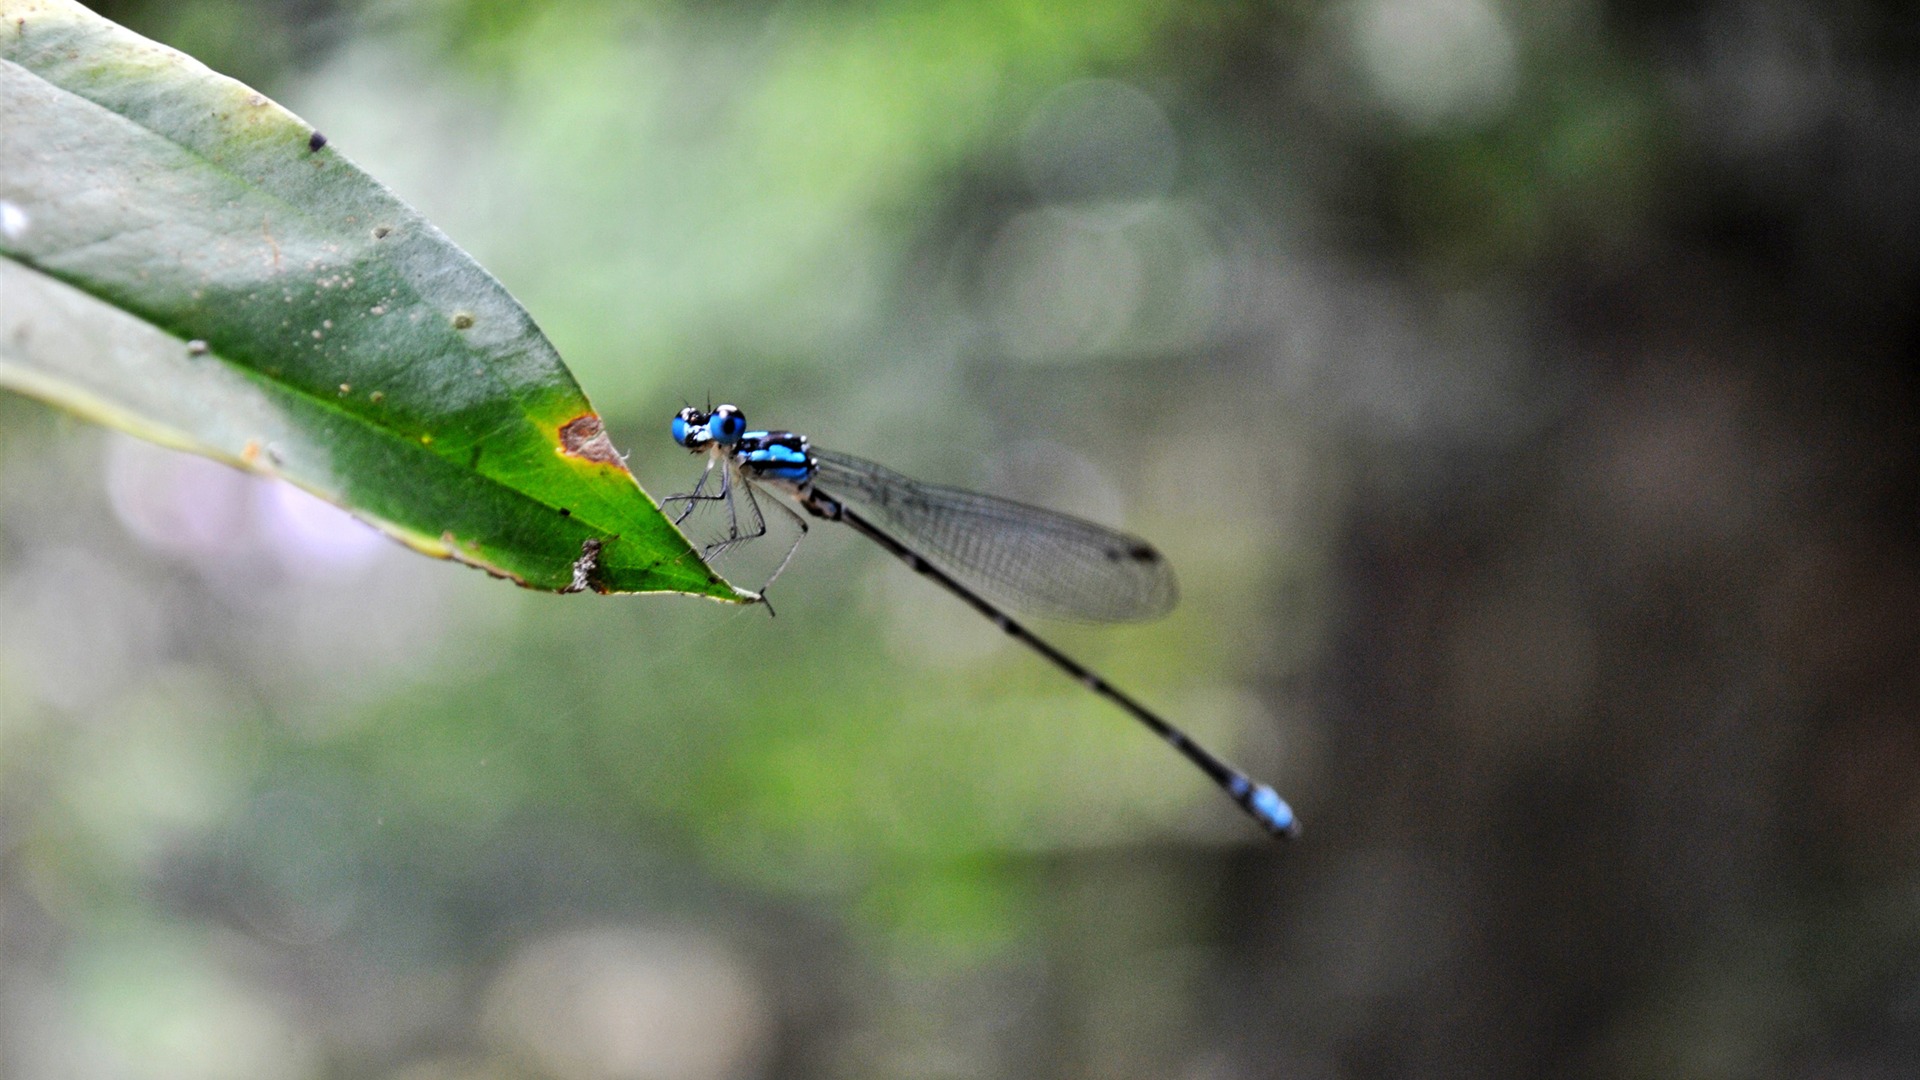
993	553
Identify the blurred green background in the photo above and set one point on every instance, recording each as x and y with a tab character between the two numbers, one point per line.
1521	390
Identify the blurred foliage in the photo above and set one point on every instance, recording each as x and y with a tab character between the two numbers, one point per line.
1520	389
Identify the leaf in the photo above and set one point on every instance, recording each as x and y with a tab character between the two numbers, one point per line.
188	261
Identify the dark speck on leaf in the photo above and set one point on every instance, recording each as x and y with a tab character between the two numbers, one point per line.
315	141
564	512
462	321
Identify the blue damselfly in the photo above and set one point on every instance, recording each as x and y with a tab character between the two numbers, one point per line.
992	553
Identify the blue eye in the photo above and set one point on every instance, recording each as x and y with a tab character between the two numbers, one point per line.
726	425
688	426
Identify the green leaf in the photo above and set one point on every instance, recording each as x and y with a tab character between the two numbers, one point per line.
186	260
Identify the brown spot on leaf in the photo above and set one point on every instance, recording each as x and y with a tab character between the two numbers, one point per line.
462	320
585	437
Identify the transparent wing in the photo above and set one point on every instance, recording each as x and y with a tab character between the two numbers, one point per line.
1034	561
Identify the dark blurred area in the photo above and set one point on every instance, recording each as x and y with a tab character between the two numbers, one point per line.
1525	393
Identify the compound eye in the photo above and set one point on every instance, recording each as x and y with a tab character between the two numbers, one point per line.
726	425
689	426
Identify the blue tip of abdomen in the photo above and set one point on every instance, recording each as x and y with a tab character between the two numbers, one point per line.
1273	811
1265	804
